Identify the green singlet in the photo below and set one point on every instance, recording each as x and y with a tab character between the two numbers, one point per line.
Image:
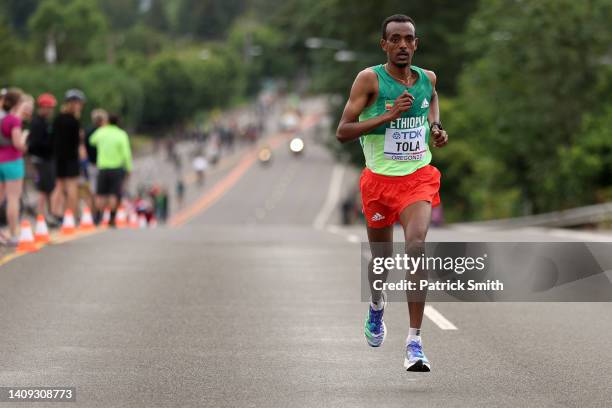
399	147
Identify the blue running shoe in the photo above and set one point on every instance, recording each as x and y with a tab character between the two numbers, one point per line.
415	359
375	329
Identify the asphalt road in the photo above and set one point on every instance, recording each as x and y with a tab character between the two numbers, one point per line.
249	305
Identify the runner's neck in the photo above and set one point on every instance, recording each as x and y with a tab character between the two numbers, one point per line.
405	75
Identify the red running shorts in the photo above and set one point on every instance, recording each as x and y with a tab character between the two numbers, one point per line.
385	197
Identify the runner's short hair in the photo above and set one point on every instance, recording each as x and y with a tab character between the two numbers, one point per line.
398	18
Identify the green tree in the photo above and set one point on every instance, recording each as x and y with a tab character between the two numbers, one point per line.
208	19
156	16
439	25
263	49
586	166
142	40
77	29
105	86
17	12
9	50
121	14
537	69
168	92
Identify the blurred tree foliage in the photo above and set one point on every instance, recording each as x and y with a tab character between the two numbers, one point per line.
532	98
525	86
74	27
207	19
99	82
263	51
18	12
8	47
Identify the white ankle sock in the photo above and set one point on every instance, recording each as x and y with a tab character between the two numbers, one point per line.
413	334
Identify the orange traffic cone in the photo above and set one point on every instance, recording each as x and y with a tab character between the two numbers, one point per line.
133	219
26	239
121	218
41	232
106	215
142	221
68	226
87	223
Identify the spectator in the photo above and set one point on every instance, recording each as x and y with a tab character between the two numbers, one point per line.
67	141
180	192
200	165
3	92
3	113
12	170
114	162
99	118
40	147
89	172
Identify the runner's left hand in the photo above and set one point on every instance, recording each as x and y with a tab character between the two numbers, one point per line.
440	138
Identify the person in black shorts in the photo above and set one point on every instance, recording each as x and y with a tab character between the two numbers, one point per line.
40	148
67	141
114	162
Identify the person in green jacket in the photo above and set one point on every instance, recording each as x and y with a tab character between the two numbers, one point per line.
114	164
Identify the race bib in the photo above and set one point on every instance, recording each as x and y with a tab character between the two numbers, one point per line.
405	144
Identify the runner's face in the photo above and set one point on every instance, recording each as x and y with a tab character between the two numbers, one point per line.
401	43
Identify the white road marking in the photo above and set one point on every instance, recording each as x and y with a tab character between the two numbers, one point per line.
352	238
432	313
436	317
570	234
333	229
333	195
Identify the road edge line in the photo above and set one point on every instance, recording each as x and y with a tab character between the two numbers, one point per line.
331	200
439	320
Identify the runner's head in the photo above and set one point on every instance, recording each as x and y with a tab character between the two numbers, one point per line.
399	39
99	117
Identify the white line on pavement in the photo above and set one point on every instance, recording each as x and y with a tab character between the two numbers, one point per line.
436	317
352	238
333	195
333	229
570	234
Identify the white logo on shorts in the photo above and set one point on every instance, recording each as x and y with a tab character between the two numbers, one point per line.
377	217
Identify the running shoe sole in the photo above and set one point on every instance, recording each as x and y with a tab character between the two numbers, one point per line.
418	367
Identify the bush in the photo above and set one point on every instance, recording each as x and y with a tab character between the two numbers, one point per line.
105	86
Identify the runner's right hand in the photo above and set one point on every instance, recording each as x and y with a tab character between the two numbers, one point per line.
402	104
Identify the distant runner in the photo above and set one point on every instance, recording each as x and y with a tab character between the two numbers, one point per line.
393	109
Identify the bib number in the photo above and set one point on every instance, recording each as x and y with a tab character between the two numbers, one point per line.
405	144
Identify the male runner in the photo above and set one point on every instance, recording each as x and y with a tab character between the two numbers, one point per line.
393	109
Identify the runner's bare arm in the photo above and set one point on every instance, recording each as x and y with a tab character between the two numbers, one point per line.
18	137
365	85
440	138
434	106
